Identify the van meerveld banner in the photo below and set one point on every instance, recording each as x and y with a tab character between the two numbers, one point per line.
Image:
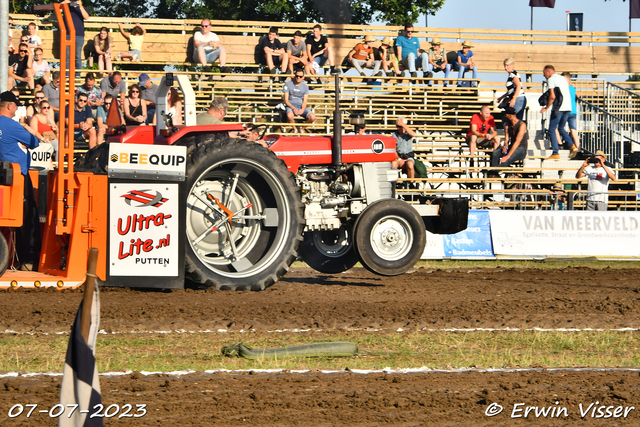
565	233
474	242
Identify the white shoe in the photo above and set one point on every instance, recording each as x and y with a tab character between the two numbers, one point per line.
134	58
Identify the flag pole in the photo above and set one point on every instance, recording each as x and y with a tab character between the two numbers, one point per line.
89	288
531	35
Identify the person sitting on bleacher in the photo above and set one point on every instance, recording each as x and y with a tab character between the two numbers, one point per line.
41	70
404	148
101	117
408	50
319	50
207	48
296	95
93	92
148	93
34	40
52	92
482	131
389	59
21	67
102	43
135	40
515	141
466	63
362	56
297	51
274	53
83	121
438	59
135	109
114	86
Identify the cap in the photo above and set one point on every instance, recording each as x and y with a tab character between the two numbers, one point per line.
557	186
369	38
510	110
143	79
8	96
436	41
598	153
466	43
387	41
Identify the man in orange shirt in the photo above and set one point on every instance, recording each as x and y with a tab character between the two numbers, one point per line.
362	56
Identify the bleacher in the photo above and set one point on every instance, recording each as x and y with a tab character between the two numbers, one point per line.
440	114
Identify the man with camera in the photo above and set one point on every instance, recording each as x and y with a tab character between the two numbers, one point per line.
599	176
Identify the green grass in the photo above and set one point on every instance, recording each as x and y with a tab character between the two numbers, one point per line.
200	351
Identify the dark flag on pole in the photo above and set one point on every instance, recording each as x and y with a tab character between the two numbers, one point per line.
542	3
634	9
80	383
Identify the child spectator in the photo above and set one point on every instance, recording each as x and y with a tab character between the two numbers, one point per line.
21	67
438	59
102	50
389	58
34	40
558	199
466	63
40	69
362	56
135	43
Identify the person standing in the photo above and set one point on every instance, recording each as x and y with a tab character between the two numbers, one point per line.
515	93
408	48
573	117
599	176
14	142
404	148
515	141
78	15
560	115
296	95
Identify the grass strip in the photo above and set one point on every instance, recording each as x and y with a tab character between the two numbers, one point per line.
168	352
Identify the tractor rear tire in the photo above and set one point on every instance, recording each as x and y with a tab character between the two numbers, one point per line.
329	251
389	237
257	247
4	254
95	160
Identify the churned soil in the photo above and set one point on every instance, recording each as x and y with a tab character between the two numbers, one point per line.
304	299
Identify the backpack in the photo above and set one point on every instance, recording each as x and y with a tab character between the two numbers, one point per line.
420	169
258	52
556	102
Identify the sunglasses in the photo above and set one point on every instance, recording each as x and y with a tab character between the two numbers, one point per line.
409	31
205	26
39	97
135	91
45	108
81	100
23	51
299	77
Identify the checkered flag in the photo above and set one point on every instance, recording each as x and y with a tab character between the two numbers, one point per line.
80	382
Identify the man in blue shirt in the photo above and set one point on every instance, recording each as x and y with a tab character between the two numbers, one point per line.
408	49
14	142
83	121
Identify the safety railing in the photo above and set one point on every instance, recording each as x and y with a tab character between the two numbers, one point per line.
625	105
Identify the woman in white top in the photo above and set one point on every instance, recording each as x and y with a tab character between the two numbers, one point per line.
174	106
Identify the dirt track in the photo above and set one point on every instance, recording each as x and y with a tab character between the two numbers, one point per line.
487	298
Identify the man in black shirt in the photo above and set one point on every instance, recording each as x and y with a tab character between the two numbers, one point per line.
21	67
318	49
274	53
83	121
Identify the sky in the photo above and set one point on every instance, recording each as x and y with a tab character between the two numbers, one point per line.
612	15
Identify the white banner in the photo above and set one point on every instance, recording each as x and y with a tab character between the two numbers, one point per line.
143	235
565	233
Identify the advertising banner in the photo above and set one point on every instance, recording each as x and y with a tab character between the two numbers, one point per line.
42	157
565	233
474	242
143	237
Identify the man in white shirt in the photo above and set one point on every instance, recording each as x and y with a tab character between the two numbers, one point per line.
559	116
599	176
207	47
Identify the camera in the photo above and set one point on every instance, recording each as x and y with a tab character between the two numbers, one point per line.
592	160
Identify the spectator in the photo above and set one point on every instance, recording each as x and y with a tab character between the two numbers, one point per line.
404	148
102	44
599	176
14	141
274	53
21	68
135	109
101	118
33	40
408	48
466	63
559	116
482	131
319	50
93	92
362	56
558	199
78	15
52	92
41	70
572	120
135	40
21	112
11	49
115	86
438	59
215	114
34	108
252	134
44	126
174	105
296	95
515	141
297	51
514	97
148	93
389	59
207	47
83	121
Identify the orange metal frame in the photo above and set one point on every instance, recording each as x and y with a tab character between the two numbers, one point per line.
77	203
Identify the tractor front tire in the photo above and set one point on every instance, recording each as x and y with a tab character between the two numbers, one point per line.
244	217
